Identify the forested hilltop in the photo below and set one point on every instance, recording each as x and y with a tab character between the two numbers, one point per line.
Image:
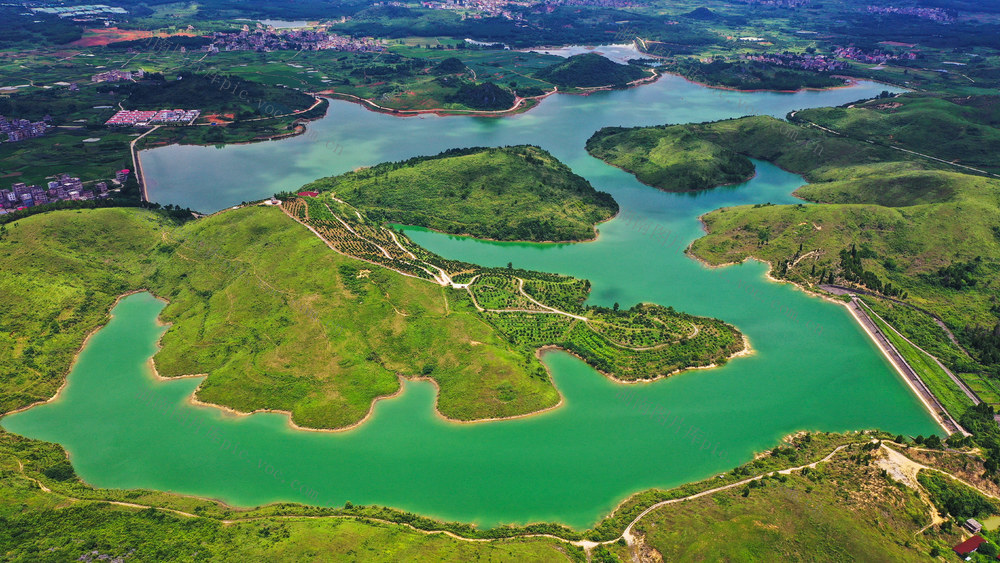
671	159
590	70
510	193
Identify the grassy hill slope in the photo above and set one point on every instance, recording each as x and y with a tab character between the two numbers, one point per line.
701	156
511	193
844	510
964	130
263	305
59	274
903	244
282	322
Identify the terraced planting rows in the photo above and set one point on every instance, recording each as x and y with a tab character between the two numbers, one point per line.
532	330
567	294
714	344
352	235
640	327
535	309
493	291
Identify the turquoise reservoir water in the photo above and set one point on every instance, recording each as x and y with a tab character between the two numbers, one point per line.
813	368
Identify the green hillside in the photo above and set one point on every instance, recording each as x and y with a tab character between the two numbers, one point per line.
743	74
910	245
700	156
844	507
279	320
589	70
674	160
59	274
511	193
917	227
965	130
485	96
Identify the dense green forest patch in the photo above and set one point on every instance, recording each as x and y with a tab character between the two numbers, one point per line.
484	96
212	93
590	70
751	75
511	193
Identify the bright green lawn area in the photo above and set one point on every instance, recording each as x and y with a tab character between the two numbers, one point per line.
983	386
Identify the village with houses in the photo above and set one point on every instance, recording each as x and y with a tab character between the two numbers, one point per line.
63	188
21	129
265	39
144	118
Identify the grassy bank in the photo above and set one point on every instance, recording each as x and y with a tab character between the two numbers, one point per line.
843	507
52	526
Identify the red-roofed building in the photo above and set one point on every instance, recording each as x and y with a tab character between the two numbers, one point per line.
969	546
308	194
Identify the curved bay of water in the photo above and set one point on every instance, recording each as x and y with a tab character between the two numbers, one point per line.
813	368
